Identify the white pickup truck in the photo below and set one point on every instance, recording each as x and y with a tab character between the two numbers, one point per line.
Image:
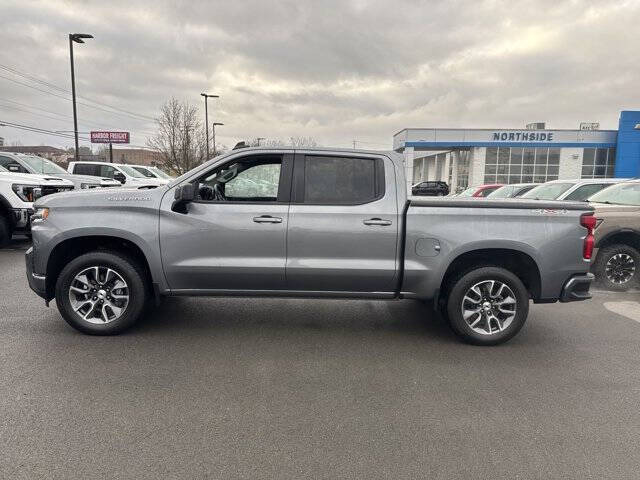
18	191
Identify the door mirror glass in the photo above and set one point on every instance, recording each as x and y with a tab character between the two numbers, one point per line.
13	168
182	196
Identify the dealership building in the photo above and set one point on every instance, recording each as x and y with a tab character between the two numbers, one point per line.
465	156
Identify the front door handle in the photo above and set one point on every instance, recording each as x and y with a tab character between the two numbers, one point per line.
377	221
267	219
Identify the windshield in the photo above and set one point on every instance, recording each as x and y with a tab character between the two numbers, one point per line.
132	172
468	192
619	194
160	173
144	171
502	192
548	191
42	165
2	169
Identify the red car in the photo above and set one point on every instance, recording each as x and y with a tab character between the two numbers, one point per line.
480	190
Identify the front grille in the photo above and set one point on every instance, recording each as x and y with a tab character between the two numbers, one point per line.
49	190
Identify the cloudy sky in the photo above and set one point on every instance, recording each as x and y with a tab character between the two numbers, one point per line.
335	70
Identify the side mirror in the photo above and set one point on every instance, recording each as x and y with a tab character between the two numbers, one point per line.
119	177
13	168
182	196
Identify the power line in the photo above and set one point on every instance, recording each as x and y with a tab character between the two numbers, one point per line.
68	99
43	131
61	89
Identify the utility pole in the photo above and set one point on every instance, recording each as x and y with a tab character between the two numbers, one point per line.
110	152
258	140
214	136
206	117
77	38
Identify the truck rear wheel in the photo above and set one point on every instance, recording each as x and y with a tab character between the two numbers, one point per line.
101	293
487	306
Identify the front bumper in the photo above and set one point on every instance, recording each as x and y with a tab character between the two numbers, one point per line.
577	288
37	283
22	219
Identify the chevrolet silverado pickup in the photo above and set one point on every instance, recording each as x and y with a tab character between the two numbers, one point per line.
307	223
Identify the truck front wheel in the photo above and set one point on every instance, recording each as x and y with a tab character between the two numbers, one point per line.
487	306
101	293
5	230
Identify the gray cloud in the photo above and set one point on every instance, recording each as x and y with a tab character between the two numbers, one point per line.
335	70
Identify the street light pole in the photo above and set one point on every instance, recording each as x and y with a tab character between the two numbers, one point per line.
206	118
77	38
214	135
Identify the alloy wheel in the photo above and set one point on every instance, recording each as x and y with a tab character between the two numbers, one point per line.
620	268
99	295
489	307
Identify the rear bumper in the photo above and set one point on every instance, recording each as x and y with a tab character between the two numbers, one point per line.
577	288
37	283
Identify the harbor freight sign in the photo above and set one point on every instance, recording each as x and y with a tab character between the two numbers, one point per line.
109	137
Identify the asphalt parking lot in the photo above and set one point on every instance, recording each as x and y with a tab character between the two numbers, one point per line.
261	388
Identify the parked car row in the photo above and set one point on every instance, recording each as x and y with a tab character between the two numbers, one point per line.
25	178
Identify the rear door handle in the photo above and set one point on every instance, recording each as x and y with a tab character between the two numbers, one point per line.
267	219
377	221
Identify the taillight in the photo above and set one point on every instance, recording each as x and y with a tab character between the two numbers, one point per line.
588	221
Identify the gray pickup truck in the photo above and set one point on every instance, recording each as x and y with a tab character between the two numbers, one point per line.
307	223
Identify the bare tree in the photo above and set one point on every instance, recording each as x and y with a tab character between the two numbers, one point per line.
181	139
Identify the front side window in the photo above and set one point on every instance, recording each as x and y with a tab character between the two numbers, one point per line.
86	169
342	180
106	171
12	165
254	179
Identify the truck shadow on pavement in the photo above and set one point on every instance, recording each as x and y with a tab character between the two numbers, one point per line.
178	315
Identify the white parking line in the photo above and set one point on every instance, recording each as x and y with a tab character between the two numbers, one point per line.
627	309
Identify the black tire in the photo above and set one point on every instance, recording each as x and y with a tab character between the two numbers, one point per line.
614	276
461	286
127	268
5	230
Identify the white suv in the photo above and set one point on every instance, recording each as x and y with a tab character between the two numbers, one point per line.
122	173
18	191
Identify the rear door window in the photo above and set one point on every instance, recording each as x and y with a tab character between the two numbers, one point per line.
86	169
339	180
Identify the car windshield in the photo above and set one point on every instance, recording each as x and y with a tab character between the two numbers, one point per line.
160	173
619	194
468	192
42	165
502	192
2	169
132	172
144	171
548	191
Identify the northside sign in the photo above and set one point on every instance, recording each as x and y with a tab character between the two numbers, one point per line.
523	136
109	137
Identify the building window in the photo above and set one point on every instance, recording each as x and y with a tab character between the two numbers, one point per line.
598	162
521	165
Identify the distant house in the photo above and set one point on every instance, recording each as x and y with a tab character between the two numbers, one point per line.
136	156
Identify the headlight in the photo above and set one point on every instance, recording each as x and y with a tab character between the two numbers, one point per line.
27	193
40	215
